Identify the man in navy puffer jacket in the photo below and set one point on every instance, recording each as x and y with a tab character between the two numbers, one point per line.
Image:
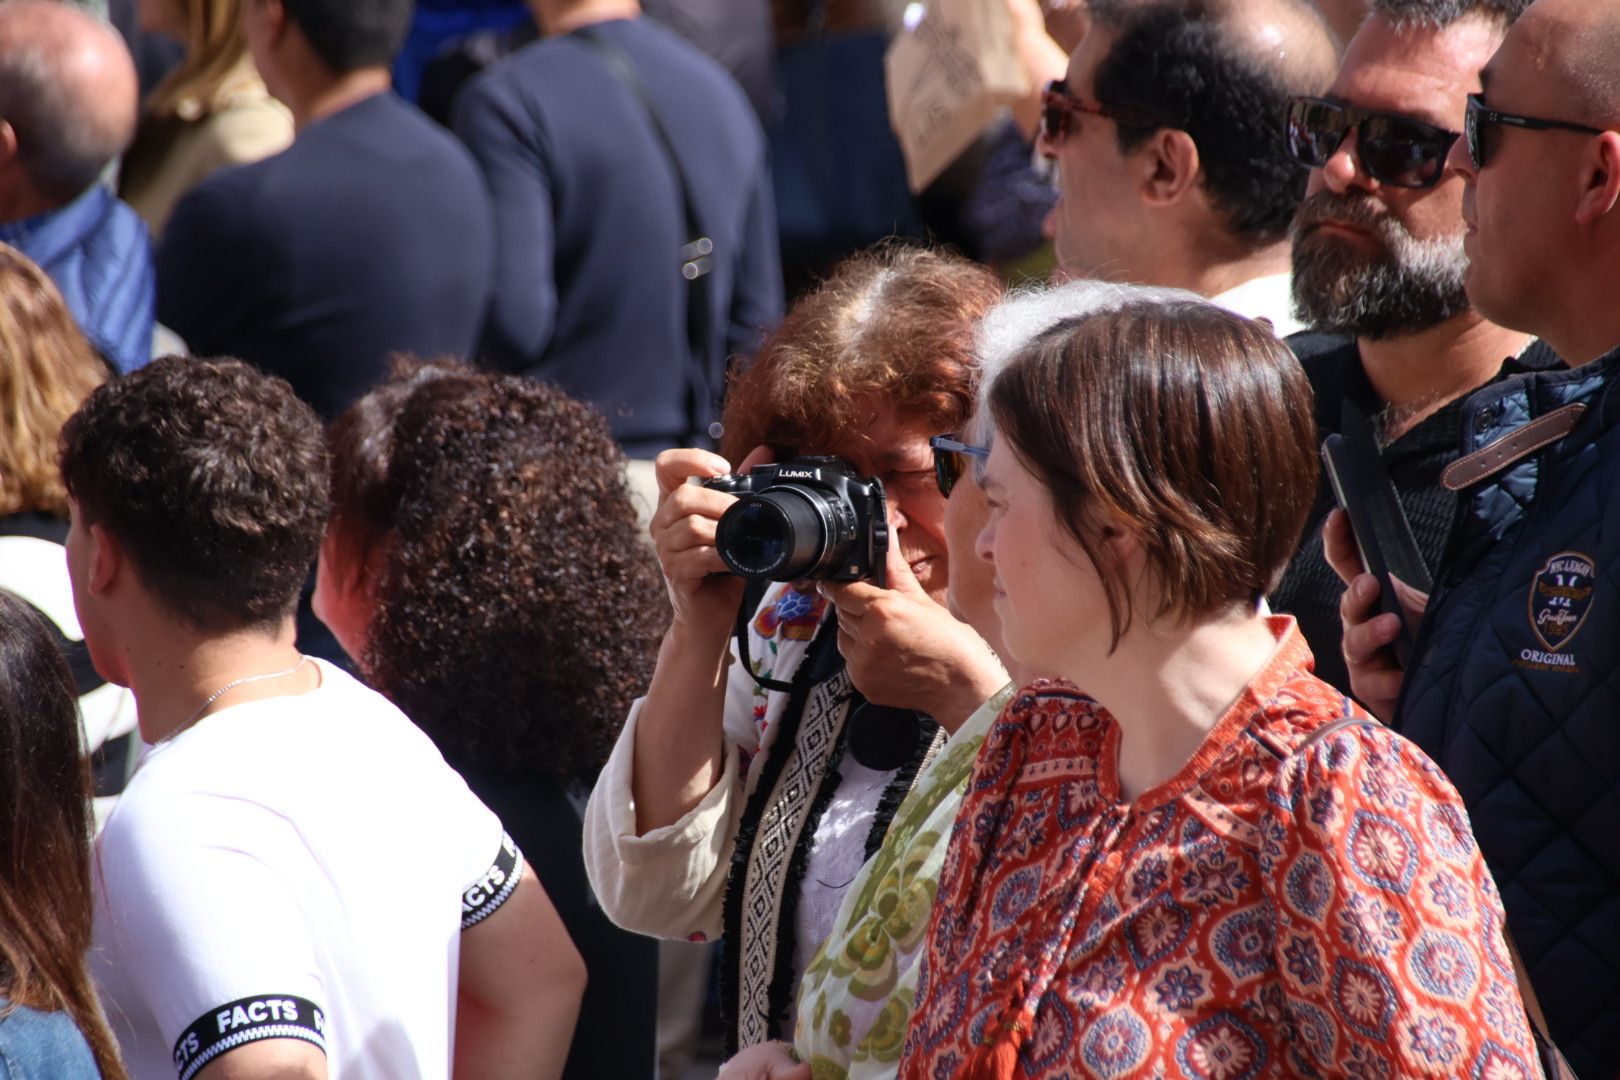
1514	688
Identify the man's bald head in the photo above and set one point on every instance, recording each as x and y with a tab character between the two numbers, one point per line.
1289	38
68	91
1222	71
1572	45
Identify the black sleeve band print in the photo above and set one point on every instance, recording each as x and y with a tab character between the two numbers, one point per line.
488	893
270	1016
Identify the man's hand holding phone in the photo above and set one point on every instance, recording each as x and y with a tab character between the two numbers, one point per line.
1369	632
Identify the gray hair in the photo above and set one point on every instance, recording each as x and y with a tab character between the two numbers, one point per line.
1028	313
1437	14
68	127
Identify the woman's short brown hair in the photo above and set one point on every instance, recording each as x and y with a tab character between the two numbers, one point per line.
1186	425
47	369
895	322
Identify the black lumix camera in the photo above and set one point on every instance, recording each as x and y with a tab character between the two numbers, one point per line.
808	518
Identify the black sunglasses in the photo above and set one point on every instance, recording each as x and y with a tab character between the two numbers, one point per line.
1059	106
1394	149
951	460
1481	116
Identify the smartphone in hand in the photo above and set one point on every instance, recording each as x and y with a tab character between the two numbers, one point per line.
1383	537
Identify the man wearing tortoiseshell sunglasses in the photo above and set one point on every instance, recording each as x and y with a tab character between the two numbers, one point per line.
1378	269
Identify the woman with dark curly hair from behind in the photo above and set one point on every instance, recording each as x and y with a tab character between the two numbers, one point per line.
484	569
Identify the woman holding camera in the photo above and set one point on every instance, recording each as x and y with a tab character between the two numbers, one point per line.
730	807
1190	857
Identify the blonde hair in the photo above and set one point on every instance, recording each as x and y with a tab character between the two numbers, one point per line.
47	369
215	48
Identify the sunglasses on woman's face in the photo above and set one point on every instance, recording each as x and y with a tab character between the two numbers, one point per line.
951	460
1394	149
1481	116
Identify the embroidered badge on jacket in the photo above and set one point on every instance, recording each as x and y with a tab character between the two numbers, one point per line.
1560	600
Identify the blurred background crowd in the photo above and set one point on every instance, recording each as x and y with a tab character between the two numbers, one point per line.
1246	791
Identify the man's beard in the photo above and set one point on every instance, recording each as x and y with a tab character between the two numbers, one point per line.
1410	286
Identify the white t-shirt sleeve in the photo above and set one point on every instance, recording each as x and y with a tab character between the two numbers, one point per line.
493	886
210	938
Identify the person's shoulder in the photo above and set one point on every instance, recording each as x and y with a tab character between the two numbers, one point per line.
703	74
528	82
246	131
166	816
228	199
1319	351
396	136
348	720
36	1045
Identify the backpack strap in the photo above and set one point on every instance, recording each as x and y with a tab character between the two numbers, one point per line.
697	255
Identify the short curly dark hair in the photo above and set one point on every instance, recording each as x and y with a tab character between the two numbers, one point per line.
1182	64
519	609
212	475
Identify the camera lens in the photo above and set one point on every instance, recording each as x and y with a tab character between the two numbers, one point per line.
781	533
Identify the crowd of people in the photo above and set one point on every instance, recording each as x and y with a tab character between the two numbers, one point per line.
380	683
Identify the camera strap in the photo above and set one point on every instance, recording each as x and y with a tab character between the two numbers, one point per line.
815	659
697	254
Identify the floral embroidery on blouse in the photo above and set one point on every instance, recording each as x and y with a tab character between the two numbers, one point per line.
1265	913
794	616
791	615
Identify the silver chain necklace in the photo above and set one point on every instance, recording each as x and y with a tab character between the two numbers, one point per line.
227	688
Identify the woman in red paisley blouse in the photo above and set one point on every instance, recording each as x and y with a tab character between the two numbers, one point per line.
1208	863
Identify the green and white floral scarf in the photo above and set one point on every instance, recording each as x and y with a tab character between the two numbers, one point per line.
856	997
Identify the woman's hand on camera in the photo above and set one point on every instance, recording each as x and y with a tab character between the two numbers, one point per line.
904	650
701	593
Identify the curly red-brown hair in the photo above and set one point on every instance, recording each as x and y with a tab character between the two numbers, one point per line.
896	322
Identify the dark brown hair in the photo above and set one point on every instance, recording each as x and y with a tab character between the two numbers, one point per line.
895	322
1182	423
45	893
519	610
212	475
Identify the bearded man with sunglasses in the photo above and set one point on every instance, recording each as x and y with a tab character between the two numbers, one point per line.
1164	133
1378	269
1513	688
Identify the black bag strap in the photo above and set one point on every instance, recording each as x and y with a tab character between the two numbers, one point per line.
697	254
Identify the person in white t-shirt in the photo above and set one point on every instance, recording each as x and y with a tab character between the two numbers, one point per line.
294	883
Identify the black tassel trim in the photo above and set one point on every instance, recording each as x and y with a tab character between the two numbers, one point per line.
822	653
781	993
900	786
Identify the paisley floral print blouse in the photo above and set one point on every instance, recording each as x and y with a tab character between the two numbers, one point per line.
1267	912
